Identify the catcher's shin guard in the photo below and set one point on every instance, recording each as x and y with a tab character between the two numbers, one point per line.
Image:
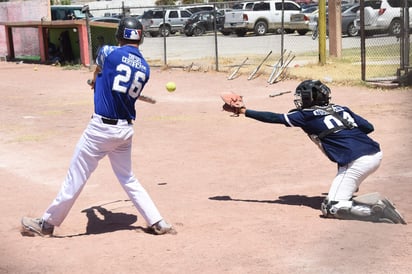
370	207
382	208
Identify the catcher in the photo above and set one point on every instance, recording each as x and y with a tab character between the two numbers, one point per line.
343	137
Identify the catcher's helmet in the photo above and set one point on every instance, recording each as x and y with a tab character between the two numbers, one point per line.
311	93
130	30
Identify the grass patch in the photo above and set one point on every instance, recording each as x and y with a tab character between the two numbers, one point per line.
382	61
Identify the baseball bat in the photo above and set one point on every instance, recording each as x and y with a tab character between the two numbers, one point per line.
259	66
279	93
232	76
143	98
282	69
276	66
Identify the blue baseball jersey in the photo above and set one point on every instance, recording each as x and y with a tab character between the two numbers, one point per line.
124	73
341	146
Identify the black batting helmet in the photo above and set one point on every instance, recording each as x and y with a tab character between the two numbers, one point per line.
130	30
311	93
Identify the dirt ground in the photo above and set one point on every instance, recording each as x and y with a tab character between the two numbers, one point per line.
244	196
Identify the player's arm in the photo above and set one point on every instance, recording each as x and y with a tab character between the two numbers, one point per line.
95	73
366	127
362	123
103	53
263	116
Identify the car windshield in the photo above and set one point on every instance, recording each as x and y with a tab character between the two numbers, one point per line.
79	14
345	7
309	9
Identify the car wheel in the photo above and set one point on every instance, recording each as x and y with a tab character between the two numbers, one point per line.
188	33
261	28
395	27
226	33
240	33
164	31
154	33
197	31
302	31
352	30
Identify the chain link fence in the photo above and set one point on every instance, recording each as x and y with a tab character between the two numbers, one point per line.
387	59
211	51
379	57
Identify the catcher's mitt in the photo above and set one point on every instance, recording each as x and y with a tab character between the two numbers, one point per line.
233	102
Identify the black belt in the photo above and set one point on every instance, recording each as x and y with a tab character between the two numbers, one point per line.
113	121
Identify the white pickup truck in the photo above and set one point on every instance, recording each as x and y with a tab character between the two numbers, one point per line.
263	17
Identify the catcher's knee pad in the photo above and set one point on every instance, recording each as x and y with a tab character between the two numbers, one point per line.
326	206
334	209
345	210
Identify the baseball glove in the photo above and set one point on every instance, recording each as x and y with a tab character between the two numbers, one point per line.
233	102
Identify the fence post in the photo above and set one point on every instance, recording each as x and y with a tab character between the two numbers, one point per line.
215	32
322	31
161	32
404	39
362	40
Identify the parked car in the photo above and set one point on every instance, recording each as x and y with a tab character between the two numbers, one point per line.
309	8
307	15
67	12
348	15
105	19
383	16
243	6
264	17
201	22
174	19
197	8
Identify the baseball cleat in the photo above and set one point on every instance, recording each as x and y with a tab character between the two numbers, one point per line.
162	227
390	212
33	227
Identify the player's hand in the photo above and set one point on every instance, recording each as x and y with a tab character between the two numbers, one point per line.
90	82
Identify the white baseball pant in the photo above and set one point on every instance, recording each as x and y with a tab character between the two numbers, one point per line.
349	178
98	140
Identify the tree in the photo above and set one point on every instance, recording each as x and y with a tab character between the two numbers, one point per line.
165	2
60	2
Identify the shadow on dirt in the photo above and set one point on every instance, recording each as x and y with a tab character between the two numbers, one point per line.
102	220
299	200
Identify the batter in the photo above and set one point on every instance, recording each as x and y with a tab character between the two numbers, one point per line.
119	79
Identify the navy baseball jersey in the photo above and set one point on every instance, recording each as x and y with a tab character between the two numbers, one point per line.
121	81
341	146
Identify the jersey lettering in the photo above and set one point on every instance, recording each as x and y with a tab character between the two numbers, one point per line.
332	122
124	76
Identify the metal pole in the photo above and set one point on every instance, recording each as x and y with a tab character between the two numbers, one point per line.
282	43
164	37
405	35
363	37
216	46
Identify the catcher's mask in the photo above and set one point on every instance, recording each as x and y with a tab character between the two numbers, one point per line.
130	30
311	93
